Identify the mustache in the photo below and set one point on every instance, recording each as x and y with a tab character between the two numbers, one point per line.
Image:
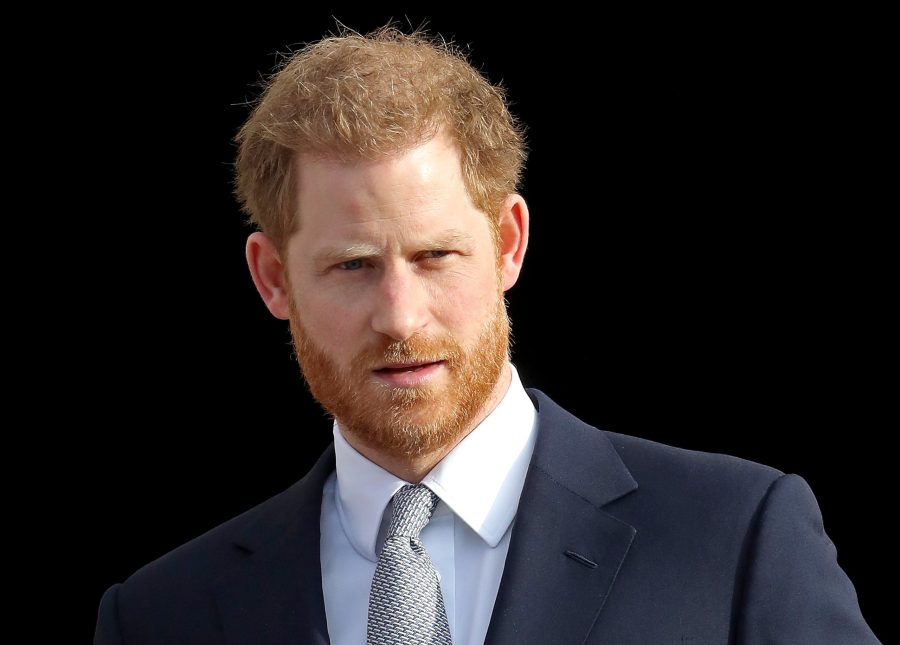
416	349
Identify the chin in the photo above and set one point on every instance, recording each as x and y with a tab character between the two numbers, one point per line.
412	430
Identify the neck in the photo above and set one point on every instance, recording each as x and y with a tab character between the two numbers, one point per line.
414	468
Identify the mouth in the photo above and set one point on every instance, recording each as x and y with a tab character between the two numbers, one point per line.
413	374
400	368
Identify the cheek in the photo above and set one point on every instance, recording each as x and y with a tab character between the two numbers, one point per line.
464	308
332	326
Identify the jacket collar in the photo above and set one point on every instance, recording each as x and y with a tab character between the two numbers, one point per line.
275	594
565	550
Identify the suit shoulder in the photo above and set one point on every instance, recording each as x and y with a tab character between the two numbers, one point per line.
642	448
204	552
657	464
663	472
203	558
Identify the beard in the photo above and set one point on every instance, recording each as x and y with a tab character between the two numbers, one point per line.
407	421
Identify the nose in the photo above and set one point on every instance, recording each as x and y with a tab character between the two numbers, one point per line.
401	303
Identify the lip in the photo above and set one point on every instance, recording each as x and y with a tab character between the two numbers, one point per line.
408	374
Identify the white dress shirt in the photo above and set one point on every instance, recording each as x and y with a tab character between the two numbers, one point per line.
479	484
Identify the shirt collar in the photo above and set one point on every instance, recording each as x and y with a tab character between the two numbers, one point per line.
480	480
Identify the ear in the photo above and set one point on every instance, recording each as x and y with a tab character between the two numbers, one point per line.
513	238
267	270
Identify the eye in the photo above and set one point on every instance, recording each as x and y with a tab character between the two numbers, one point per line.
351	265
435	254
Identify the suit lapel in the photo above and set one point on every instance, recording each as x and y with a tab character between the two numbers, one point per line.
565	550
275	594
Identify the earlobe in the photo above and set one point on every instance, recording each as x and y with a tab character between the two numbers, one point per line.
513	238
267	271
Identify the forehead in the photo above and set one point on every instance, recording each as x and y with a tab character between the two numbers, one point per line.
417	189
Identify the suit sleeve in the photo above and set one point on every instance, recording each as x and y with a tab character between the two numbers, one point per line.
107	631
794	591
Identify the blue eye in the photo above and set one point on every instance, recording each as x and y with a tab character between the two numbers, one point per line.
351	265
436	254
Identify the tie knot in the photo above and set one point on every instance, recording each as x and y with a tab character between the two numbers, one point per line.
413	506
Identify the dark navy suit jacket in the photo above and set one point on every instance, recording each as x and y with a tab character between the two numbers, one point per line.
617	540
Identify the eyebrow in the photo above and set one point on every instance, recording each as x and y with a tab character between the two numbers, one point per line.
451	238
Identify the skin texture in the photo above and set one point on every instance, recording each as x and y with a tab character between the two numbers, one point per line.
394	289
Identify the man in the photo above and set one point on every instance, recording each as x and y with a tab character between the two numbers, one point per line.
382	172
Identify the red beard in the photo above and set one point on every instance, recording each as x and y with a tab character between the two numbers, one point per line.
407	421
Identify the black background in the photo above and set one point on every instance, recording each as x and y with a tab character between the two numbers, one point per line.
705	269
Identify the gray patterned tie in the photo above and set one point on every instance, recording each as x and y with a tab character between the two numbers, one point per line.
405	603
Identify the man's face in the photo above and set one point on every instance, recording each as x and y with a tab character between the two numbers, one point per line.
396	303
